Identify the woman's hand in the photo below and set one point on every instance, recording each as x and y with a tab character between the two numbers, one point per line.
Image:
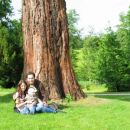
45	104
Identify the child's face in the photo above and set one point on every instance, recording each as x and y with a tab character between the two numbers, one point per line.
31	92
23	87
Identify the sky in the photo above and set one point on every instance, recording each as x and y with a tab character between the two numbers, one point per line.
96	14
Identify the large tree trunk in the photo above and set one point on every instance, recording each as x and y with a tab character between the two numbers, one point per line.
46	47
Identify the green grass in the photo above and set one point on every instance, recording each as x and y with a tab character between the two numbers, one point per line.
90	87
7	90
92	113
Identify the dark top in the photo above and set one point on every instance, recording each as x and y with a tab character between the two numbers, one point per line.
41	90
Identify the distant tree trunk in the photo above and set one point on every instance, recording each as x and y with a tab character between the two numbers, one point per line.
46	47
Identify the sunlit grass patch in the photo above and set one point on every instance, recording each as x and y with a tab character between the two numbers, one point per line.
91	87
91	113
91	100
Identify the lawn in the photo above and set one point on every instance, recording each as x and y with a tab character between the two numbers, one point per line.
93	113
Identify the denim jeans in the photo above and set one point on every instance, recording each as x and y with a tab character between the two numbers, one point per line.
32	109
42	108
24	110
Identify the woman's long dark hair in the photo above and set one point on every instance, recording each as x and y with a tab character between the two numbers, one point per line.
21	93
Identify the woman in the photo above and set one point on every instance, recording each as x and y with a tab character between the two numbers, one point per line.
19	98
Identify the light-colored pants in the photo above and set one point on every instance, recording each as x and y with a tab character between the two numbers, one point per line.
24	110
42	108
31	108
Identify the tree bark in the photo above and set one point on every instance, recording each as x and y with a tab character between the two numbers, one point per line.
46	47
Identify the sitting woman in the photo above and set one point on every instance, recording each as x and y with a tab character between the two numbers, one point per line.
19	98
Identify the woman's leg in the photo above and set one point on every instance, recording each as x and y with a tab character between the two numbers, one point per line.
49	109
25	110
42	108
39	107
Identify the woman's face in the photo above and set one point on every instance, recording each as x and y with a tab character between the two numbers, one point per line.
23	87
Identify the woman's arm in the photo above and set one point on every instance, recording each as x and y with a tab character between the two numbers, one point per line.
15	96
40	101
18	105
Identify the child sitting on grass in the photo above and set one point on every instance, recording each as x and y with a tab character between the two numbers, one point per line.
34	104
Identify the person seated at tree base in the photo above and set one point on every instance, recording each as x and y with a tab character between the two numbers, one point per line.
34	104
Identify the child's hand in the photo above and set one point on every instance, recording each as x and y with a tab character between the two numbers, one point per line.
29	101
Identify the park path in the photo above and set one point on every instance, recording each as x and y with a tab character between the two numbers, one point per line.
109	94
90	93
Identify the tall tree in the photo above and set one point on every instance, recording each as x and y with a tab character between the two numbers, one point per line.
74	33
90	56
109	60
123	37
10	48
46	47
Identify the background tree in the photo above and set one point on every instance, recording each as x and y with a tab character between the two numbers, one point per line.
74	32
90	57
109	60
46	47
5	11
123	37
11	61
11	56
75	40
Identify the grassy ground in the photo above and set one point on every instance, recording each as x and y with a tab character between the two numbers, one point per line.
93	88
92	113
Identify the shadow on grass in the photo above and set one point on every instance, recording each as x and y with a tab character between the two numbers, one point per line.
6	98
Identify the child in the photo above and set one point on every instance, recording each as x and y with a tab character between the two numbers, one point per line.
32	99
35	104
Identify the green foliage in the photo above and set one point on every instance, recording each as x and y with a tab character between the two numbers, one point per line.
77	61
75	40
105	58
109	60
5	11
90	55
74	33
91	86
68	98
11	55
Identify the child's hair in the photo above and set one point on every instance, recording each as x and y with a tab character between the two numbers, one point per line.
19	90
32	90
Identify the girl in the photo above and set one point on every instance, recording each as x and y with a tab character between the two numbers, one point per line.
19	97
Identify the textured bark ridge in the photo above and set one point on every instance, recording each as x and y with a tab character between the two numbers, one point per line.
46	47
